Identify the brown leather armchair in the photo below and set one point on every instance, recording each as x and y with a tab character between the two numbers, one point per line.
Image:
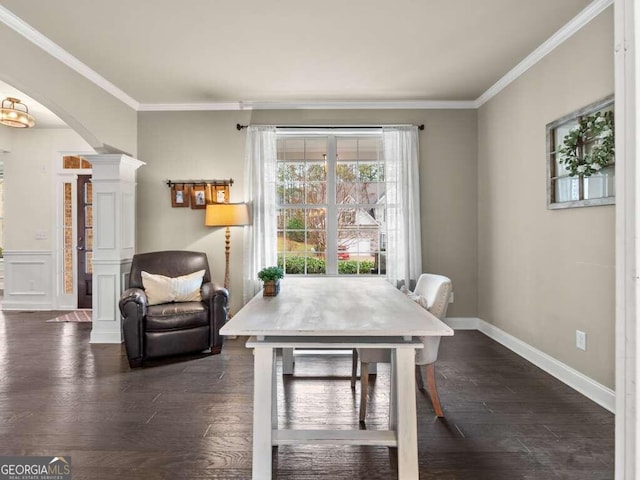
171	328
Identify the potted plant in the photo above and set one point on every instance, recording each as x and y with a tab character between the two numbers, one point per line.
271	277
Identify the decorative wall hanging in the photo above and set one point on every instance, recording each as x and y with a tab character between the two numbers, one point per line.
180	195
581	157
199	193
199	196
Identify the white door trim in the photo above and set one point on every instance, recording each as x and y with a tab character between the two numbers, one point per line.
627	240
62	301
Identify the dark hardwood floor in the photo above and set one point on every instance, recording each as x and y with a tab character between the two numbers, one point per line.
190	418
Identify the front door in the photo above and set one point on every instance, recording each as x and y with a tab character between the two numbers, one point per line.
84	244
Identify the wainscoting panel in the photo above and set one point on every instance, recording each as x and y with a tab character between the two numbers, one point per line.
105	231
28	283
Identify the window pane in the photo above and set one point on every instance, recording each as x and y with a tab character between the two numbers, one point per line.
88	232
560	132
317	243
88	193
88	216
316	218
88	262
567	189
316	171
290	149
68	237
305	169
601	184
315	149
316	193
294	193
369	148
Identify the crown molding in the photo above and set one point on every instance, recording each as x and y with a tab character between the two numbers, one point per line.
590	12
191	107
305	105
573	26
53	49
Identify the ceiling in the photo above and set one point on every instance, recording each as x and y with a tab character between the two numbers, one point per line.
202	51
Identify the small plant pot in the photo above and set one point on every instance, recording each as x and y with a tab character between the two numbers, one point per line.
271	288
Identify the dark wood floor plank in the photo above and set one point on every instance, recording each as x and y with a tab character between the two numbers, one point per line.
191	417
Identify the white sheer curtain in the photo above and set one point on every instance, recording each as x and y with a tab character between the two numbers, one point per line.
403	249
260	249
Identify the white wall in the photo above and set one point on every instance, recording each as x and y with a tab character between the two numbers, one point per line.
5	140
29	222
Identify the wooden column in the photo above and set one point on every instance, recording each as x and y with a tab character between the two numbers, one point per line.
114	228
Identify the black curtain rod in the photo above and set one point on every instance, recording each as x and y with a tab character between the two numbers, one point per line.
241	127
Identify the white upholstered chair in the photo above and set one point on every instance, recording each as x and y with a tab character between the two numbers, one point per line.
432	292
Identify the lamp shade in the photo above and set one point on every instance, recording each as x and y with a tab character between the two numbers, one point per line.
226	214
14	113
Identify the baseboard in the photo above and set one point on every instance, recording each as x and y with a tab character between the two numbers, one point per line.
462	323
8	306
105	337
603	396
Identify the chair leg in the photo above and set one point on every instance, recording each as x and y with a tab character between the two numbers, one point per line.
430	371
364	389
135	362
354	368
419	379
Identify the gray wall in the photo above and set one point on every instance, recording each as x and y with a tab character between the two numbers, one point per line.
545	273
184	145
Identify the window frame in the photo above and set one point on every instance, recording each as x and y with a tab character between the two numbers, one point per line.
551	152
330	205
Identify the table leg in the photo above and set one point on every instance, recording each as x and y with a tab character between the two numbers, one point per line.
262	413
287	361
393	395
274	393
407	428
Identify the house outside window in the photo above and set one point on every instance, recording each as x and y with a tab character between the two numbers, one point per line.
331	204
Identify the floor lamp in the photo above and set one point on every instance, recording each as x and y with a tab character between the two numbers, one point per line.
226	215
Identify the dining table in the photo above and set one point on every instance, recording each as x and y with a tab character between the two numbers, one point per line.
335	312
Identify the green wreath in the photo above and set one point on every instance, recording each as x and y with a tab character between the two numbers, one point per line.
597	129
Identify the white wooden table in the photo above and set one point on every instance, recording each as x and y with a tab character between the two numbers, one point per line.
343	313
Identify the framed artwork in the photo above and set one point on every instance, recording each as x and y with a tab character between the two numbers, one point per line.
199	196
219	193
180	195
581	164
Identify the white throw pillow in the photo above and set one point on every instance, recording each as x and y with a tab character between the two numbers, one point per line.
161	289
419	299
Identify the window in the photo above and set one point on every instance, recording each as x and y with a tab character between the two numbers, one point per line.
331	204
568	188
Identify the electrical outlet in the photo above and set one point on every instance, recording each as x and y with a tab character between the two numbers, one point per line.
581	340
451	298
